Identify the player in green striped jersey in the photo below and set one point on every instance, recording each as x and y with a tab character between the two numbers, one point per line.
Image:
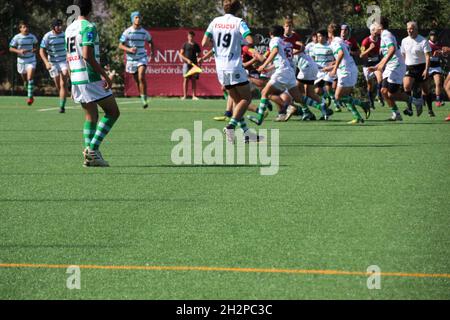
53	54
91	85
24	45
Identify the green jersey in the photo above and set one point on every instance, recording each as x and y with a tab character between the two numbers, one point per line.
79	34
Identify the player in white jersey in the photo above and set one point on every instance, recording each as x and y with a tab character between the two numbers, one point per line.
282	79
53	54
323	56
133	42
393	68
347	73
226	34
24	45
91	85
417	53
307	75
310	45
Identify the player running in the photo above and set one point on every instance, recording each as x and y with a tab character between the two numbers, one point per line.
133	42
347	74
370	52
24	44
323	56
226	34
435	70
282	79
393	67
417	52
53	54
91	86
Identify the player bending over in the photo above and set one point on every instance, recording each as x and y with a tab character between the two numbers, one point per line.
24	45
91	85
53	54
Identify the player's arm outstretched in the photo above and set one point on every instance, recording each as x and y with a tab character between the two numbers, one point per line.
269	59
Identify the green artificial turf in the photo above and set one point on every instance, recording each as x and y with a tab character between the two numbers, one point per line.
345	197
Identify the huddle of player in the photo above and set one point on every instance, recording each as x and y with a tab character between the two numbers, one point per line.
326	72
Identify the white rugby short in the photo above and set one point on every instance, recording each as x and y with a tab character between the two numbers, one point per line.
91	92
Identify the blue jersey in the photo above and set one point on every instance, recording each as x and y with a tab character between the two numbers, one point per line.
55	46
25	42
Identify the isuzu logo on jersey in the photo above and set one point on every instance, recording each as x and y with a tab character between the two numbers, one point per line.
226	26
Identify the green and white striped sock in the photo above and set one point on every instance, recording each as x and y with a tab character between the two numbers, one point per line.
30	88
243	125
349	103
103	128
88	132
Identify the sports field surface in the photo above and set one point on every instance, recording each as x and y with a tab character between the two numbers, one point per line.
345	198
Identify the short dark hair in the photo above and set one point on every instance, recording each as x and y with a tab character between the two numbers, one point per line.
192	33
231	6
23	23
334	29
323	33
384	21
277	31
84	5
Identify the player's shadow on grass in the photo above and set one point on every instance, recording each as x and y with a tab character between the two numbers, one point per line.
336	145
61	246
197	166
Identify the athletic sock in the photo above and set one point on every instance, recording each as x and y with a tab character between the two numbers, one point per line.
88	132
62	103
409	102
394	109
429	100
311	103
102	129
243	125
262	108
371	98
228	114
143	99
349	102
438	98
232	124
30	88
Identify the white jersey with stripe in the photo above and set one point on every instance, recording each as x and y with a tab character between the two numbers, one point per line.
79	34
227	34
25	42
281	60
309	47
304	61
322	54
136	38
347	63
55	45
388	40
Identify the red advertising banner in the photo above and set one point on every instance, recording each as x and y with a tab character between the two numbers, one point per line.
164	72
